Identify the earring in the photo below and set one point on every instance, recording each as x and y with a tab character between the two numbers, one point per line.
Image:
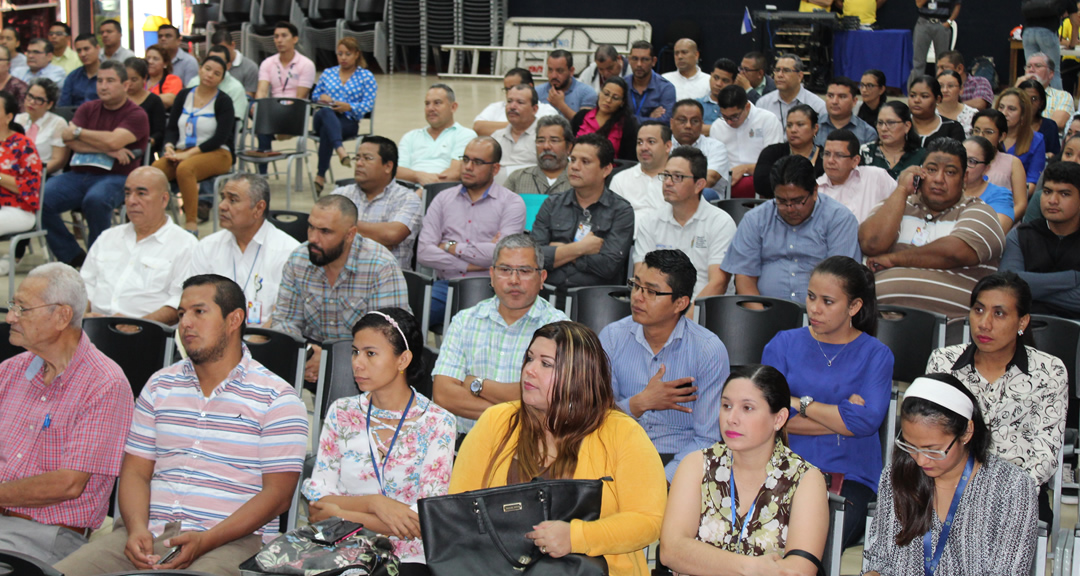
1019	332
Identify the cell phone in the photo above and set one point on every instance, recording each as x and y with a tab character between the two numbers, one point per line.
169	556
916	181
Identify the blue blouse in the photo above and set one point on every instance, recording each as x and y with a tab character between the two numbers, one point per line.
999	198
1034	160
865	368
358	92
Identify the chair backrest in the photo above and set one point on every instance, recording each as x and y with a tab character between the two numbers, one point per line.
419	286
335	379
14	563
140	347
365	10
202	14
235	10
834	541
287	116
912	335
887	431
430	356
745	331
274	11
597	306
533	202
465	293
7	349
293	223
738	207
283	354
1058	337
432	190
65	112
329	8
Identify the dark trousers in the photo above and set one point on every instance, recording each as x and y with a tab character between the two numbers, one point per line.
333	129
859	498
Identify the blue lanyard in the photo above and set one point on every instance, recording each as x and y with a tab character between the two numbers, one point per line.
637	103
379	476
741	534
253	262
930	563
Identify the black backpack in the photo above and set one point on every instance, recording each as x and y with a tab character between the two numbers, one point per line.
1041	9
984	67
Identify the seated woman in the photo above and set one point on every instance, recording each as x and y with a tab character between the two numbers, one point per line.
20	175
150	103
951	107
841	382
349	88
896	147
611	118
160	79
871	96
42	126
924	95
784	510
980	153
566	426
383	450
1045	126
1023	393
204	148
802	127
1004	170
1022	141
946	497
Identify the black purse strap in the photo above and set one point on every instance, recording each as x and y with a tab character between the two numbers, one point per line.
813	559
485	521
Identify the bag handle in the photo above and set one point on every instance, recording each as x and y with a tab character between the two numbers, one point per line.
813	559
487	526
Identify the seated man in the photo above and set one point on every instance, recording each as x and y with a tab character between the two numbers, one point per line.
432	154
493	116
723	75
287	74
780	242
81	83
333	279
132	268
229	84
686	125
62	444
607	62
789	73
241	67
63	55
112	42
108	137
518	139
1059	103
463	223
658	350
689	81
586	233
236	251
754	77
927	243
860	188
10	39
554	137
562	90
840	102
1046	252
745	130
215	449
390	213
651	96
479	361
687	223
976	90
640	184
39	64
184	65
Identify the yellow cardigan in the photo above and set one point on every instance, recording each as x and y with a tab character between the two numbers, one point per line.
633	504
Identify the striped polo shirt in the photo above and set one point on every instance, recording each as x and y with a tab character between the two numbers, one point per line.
211	453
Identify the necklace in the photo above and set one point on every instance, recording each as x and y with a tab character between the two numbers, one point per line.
827	359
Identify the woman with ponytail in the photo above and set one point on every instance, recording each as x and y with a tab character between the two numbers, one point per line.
947	505
841	382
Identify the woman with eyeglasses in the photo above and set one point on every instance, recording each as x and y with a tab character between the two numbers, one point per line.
1004	170
979	155
42	126
872	96
348	90
951	107
1022	392
896	149
802	127
947	505
611	118
1022	141
1039	123
160	79
924	95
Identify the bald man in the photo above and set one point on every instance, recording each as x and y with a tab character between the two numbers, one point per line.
131	267
690	82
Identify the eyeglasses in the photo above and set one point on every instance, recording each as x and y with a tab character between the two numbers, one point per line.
792	203
365	158
982	132
675	178
37	52
466	160
973	162
888	123
646	291
1035	66
868	85
826	154
553	141
744	69
734	118
784	71
929	454
19	310
35	99
524	272
611	96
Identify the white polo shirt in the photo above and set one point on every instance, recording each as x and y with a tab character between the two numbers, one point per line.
716	153
705	237
745	143
496	112
864	189
135	278
644	193
694	87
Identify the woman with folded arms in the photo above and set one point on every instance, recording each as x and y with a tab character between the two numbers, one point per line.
349	89
42	126
161	80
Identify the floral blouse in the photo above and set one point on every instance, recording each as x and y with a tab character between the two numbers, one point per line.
358	91
767	529
418	467
19	157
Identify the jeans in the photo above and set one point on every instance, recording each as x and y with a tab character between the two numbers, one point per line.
96	194
1046	41
333	129
859	498
438	302
925	33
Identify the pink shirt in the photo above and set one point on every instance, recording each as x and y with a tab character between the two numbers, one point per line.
1000	170
285	79
589	125
865	188
76	423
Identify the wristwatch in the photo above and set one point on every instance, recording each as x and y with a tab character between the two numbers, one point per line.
77	132
450	244
804	402
477	386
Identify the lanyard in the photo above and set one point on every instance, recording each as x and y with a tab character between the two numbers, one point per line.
288	73
741	534
379	476
637	103
930	564
253	263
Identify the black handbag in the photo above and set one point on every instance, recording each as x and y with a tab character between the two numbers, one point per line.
483	532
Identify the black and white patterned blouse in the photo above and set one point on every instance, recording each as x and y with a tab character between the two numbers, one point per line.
1024	409
993	532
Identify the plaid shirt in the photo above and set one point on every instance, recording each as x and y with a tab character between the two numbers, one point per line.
977	87
395	203
1058	100
479	342
76	423
309	307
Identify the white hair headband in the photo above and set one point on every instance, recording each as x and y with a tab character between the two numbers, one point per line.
394	324
941	394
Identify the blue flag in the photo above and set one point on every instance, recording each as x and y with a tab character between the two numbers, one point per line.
747	25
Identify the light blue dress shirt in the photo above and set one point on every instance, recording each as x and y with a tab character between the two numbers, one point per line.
579	95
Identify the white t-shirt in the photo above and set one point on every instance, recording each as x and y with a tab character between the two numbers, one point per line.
745	143
697	86
496	112
643	192
705	237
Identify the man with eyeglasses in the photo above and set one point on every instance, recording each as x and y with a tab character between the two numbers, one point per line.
976	90
788	73
651	96
111	39
39	64
778	243
840	102
390	213
860	188
927	243
433	154
686	127
554	137
688	79
60	397
81	84
754	76
607	62
1059	103
10	39
562	90
493	117
640	184
666	370
518	138
723	75
744	130
463	223
63	55
479	361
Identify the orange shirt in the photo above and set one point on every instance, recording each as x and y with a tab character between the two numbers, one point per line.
171	85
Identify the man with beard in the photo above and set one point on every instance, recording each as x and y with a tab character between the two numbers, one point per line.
215	449
554	137
333	279
606	63
562	90
651	96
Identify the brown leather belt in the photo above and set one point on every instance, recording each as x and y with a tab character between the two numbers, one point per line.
84	532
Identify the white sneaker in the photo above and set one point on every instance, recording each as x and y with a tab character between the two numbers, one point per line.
5	266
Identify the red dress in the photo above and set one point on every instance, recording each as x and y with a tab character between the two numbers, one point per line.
19	157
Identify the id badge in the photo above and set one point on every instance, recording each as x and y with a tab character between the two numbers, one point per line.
582	230
932	5
921	236
254	315
189	132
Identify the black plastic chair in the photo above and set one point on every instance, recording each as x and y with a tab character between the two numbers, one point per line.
430	356
65	112
1058	337
834	541
335	380
277	116
597	306
291	222
139	354
201	15
744	331
419	286
912	335
432	190
17	564
283	354
465	293
7	349
738	207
